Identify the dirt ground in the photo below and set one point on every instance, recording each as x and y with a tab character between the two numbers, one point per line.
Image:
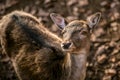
104	57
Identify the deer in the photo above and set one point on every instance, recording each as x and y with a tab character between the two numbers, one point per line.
38	54
76	41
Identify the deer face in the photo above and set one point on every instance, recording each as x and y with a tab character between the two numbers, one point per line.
76	34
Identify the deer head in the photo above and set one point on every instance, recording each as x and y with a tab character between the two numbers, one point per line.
76	34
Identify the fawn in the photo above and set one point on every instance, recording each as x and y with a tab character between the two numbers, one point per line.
38	54
76	41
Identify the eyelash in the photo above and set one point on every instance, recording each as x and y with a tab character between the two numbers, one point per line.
84	32
78	31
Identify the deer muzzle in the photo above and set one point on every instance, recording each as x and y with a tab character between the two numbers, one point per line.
66	45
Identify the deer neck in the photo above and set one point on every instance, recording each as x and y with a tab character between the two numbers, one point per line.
78	65
80	57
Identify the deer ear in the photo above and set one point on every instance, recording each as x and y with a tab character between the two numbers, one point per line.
58	20
94	19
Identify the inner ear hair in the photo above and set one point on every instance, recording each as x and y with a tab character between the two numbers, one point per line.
92	25
89	29
94	19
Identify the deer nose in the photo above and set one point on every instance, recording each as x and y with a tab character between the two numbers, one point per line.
66	45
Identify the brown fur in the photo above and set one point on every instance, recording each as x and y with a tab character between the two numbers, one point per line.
79	49
34	51
76	42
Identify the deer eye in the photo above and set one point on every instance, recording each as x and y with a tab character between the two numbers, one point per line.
84	32
77	31
74	25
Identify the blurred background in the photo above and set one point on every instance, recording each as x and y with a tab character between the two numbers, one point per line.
104	57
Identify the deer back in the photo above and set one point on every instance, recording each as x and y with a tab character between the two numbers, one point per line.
34	51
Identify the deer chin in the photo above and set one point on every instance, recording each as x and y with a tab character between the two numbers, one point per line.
72	51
